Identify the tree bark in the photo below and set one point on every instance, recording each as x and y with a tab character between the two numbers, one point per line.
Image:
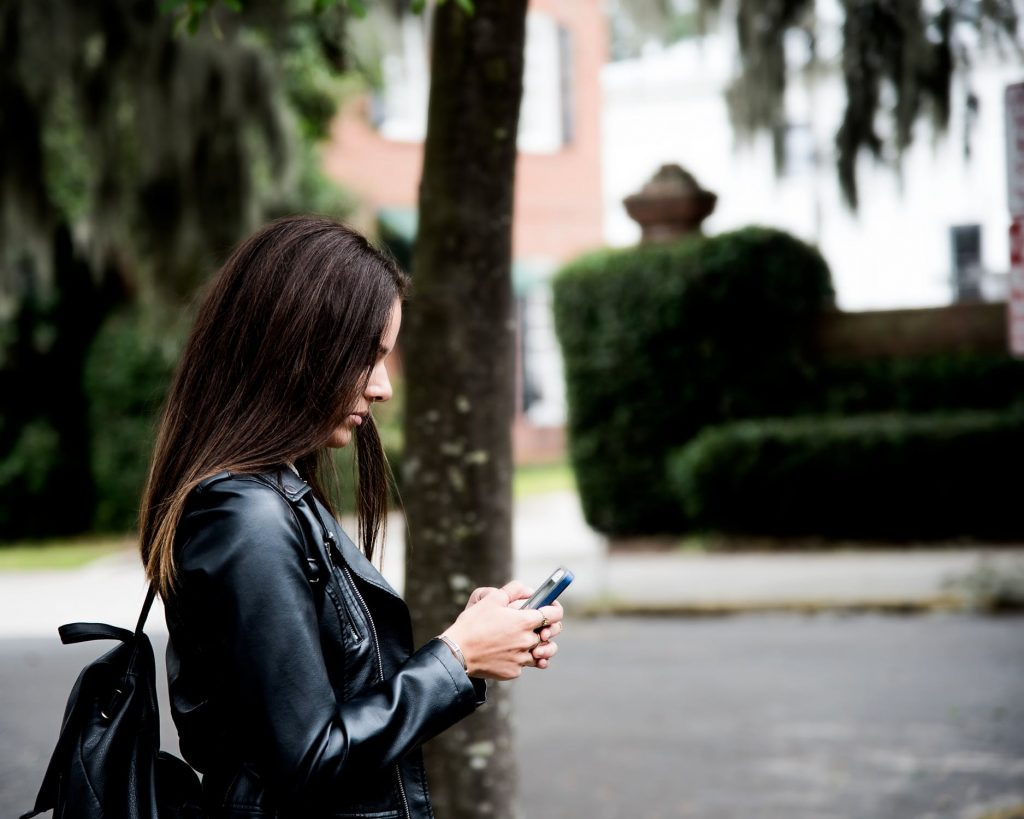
459	352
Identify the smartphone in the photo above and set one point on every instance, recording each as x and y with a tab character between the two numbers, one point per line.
549	590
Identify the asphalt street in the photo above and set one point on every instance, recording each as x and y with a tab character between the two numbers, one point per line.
765	716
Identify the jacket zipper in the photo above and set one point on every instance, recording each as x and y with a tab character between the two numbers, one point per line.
343	610
328	544
380	669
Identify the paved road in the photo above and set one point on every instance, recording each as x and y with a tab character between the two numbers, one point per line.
771	717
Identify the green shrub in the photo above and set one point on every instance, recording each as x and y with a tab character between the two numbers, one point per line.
25	474
891	476
660	341
921	384
127	374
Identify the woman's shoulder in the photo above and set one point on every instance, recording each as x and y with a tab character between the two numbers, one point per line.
270	492
238	508
239	541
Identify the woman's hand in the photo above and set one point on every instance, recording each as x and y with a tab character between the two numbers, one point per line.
498	640
514	589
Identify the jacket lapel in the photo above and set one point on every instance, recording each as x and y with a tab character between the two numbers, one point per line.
295	489
357	561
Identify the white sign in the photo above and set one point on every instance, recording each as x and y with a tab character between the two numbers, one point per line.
1014	101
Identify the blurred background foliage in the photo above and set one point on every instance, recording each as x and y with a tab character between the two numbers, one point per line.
140	141
130	364
133	155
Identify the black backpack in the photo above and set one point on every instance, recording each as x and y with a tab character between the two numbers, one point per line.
107	763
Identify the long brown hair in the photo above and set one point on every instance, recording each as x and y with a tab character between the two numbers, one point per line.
280	351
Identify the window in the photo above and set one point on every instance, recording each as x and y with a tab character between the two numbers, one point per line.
545	118
399	112
967	268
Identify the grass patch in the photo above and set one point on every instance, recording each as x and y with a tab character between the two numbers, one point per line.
65	553
72	553
539	479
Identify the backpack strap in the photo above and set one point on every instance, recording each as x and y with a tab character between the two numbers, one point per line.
144	614
83	632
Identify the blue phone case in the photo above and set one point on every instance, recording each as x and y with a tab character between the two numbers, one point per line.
547	596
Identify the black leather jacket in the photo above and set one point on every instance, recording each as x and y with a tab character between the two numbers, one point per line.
293	682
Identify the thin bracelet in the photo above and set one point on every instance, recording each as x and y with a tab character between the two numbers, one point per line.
454	647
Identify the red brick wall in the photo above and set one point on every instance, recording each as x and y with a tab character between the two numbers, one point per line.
958	328
558	211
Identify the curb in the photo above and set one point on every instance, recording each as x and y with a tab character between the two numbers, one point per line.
932	605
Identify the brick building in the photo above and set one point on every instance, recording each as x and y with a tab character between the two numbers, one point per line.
376	151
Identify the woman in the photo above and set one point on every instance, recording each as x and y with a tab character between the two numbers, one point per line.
294	685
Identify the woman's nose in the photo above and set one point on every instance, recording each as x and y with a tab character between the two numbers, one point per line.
379	388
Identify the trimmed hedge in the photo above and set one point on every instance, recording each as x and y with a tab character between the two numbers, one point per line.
922	384
661	341
892	476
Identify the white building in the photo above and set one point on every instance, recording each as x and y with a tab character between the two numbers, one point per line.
896	251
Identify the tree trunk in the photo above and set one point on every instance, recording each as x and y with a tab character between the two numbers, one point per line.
458	347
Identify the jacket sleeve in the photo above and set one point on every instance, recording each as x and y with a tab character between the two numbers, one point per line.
241	565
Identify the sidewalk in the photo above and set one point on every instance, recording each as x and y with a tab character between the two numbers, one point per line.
550	531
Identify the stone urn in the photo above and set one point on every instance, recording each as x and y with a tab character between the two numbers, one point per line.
671	205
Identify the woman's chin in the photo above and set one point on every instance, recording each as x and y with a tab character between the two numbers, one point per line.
342	436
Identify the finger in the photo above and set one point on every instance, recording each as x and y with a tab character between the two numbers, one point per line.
479	594
495	597
546	616
545	651
528	641
510	672
552	630
516	590
538	627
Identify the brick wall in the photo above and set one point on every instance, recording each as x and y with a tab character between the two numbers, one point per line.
958	328
558	207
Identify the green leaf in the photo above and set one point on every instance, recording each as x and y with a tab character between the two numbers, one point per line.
466	6
180	23
234	5
417	6
356	7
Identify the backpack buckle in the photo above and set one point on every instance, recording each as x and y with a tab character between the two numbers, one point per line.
112	706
